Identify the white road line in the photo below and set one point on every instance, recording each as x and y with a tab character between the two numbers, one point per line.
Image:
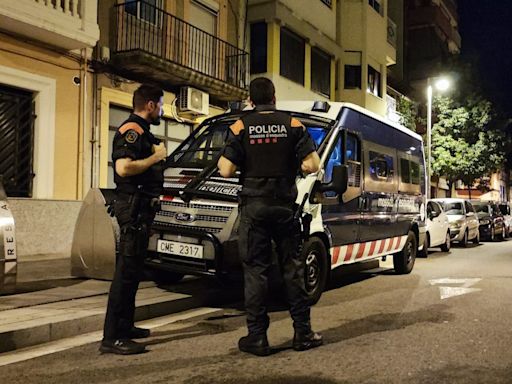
92	337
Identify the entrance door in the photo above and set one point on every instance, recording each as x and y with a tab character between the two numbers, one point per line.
17	115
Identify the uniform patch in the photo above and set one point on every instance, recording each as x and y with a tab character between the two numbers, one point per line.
131	136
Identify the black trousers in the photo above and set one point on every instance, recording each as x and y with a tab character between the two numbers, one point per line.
134	219
263	220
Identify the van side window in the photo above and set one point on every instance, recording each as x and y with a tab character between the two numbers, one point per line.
409	171
381	166
336	158
353	162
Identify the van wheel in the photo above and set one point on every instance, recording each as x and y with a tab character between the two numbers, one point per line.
316	268
476	240
426	245
447	243
464	241
163	277
403	261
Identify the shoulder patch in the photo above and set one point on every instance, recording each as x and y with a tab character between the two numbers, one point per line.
131	126
237	127
131	136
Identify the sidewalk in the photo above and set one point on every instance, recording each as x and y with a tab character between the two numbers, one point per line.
49	304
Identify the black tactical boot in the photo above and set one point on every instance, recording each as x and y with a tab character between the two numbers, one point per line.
122	347
255	344
304	341
138	333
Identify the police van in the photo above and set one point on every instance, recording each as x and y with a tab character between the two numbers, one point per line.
366	201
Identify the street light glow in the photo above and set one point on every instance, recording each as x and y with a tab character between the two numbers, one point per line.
442	84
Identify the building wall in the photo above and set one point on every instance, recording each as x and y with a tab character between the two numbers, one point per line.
64	164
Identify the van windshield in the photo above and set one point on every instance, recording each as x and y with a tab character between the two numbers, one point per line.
202	147
452	208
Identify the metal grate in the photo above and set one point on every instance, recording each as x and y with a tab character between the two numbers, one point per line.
17	141
197	206
354	174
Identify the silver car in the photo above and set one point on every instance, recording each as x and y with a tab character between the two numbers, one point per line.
463	220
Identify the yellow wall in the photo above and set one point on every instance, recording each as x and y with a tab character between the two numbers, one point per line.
29	58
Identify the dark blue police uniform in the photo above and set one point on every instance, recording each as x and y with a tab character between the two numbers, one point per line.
134	208
269	152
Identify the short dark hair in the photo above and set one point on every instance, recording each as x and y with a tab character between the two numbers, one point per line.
144	94
262	91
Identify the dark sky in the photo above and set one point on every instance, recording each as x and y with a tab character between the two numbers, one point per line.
486	31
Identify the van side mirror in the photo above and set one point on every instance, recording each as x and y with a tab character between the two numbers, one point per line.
338	182
433	215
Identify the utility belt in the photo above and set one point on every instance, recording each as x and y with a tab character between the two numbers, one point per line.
132	208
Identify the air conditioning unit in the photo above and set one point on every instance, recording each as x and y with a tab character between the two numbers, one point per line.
194	100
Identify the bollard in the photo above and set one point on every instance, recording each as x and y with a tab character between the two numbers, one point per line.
93	252
8	261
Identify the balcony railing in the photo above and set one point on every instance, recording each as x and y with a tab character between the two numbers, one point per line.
67	7
141	27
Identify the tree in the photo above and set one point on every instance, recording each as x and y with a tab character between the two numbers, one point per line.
408	111
466	144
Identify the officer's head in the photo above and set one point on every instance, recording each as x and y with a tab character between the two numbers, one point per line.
147	102
262	91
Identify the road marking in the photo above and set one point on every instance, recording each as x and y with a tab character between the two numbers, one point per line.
458	286
92	337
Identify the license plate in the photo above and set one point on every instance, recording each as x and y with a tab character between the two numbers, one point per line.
180	249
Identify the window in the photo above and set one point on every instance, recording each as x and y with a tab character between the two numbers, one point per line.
148	10
169	131
377	5
292	56
336	158
405	172
353	161
409	171
352	76
258	48
374	86
381	166
320	72
17	114
469	207
203	17
452	208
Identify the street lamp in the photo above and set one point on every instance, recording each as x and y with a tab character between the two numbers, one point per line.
441	84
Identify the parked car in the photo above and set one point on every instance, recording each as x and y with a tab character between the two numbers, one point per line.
463	220
491	220
438	229
507	217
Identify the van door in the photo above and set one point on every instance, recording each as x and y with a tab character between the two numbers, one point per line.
379	200
341	213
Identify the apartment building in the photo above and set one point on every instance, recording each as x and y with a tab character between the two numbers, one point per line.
340	51
44	87
190	48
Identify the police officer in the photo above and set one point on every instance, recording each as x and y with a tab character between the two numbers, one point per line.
138	173
269	146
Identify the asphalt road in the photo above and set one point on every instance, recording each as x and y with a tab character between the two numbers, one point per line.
446	322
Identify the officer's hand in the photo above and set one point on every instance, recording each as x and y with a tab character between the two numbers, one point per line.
159	151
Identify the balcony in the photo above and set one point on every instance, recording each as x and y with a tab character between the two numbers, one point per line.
392	39
66	24
151	44
434	17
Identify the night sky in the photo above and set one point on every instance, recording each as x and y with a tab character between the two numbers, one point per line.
486	31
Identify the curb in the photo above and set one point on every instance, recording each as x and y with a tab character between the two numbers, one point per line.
26	327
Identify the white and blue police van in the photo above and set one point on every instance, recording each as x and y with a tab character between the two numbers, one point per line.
366	201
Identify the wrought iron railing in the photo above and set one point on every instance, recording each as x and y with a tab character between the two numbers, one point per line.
142	27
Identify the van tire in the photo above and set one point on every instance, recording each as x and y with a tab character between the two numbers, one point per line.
316	268
403	261
447	243
426	245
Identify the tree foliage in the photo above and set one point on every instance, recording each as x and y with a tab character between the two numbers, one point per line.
408	113
466	142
